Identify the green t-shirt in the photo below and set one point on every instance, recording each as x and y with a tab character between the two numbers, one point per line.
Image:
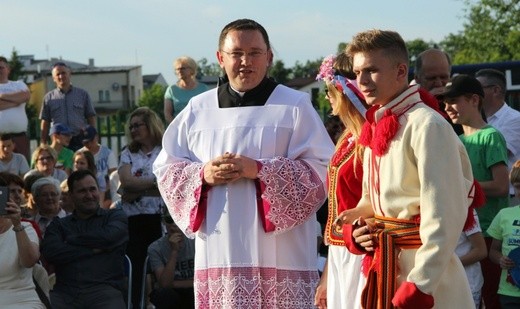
485	148
506	227
65	158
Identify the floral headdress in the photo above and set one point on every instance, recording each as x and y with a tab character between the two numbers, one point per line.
327	69
346	86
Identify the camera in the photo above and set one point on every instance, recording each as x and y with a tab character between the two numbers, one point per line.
4	197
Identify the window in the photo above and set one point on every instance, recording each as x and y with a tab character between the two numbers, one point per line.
104	96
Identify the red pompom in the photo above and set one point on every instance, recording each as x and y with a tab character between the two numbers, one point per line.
479	199
384	133
366	134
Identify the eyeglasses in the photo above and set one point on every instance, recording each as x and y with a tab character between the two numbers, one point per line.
136	126
48	158
239	54
182	68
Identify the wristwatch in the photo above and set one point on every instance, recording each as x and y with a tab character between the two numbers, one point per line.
20	228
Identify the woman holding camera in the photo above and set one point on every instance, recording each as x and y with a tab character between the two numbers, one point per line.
20	251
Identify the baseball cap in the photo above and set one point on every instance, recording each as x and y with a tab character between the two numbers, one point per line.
60	128
462	84
89	132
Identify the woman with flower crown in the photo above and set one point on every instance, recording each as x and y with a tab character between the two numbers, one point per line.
341	283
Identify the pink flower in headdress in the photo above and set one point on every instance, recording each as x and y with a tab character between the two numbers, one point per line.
326	72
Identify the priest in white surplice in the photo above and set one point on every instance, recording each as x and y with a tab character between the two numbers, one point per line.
242	170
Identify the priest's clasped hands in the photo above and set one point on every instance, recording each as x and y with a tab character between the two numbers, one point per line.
229	167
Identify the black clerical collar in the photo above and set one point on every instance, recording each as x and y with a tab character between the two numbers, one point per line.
257	96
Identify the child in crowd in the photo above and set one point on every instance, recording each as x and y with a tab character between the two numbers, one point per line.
60	139
505	230
84	160
10	161
471	249
487	152
106	161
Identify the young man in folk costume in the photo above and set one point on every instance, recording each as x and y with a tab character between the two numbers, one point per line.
418	182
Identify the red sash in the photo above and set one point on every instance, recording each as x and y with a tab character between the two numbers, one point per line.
395	235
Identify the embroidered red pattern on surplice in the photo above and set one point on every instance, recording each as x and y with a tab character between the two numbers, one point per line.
254	287
292	190
180	186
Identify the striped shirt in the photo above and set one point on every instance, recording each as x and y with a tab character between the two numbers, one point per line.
71	108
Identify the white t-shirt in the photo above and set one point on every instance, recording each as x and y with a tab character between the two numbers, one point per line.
13	120
105	160
507	121
18	165
473	271
16	284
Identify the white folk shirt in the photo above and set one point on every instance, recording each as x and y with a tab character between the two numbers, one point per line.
238	264
425	172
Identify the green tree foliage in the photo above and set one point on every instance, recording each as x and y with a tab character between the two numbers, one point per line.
16	66
279	72
417	46
208	69
342	47
154	99
490	34
309	69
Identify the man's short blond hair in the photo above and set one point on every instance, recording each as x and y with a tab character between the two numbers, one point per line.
375	39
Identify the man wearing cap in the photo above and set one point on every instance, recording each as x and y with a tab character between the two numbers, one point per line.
487	152
13	119
60	139
106	161
68	105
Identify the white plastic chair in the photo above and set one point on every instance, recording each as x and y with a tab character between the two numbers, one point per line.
128	274
146	269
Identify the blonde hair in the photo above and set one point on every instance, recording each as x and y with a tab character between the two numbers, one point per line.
514	175
347	112
190	62
44	147
64	187
371	40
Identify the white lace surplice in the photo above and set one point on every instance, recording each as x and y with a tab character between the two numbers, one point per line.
238	264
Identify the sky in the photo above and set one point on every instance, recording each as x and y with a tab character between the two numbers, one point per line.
153	33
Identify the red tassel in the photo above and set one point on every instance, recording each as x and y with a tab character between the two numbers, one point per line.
366	134
366	264
385	131
479	199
